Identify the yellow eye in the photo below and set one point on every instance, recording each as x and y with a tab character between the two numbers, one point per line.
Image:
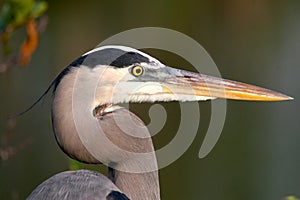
137	70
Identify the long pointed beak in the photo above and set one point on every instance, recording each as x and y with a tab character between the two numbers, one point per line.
199	85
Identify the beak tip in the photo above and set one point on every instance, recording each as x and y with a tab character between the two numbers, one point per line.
290	98
285	98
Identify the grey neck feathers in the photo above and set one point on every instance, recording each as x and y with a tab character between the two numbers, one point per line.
119	138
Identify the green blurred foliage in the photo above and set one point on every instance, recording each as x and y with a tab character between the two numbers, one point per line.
291	198
15	13
75	165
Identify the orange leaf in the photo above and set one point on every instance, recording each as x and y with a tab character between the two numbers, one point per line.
30	44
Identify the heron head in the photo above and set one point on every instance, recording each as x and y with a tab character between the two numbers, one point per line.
122	74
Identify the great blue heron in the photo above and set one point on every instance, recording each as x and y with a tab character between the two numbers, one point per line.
90	89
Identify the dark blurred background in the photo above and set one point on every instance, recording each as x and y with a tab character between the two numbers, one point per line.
254	41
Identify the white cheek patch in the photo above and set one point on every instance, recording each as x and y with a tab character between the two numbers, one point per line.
125	92
131	88
149	88
167	98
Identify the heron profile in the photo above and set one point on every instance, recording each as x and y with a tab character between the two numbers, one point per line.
86	101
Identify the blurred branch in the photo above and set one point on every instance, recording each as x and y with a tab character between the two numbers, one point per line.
6	151
15	14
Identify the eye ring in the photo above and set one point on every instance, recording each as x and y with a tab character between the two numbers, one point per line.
137	70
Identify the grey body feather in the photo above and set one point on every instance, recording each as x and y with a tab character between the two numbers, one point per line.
81	184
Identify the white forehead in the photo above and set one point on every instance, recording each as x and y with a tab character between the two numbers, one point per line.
126	49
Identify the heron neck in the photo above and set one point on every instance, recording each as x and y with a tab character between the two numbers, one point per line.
119	137
137	173
137	185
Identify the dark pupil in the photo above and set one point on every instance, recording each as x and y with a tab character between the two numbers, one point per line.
138	71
